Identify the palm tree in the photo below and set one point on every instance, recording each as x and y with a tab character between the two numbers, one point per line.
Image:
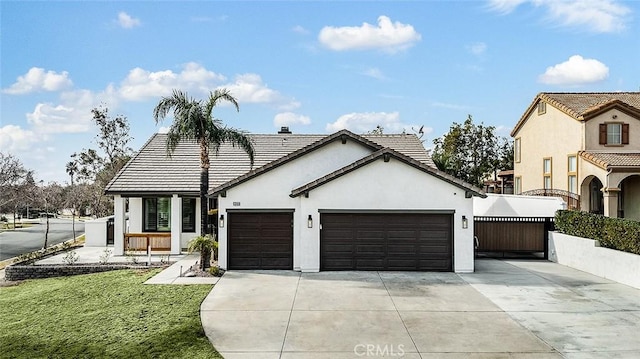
193	120
72	169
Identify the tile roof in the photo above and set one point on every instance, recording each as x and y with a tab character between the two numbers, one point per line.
584	105
151	171
382	153
612	160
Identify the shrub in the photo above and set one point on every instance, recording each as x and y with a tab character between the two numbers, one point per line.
71	257
615	233
104	257
216	271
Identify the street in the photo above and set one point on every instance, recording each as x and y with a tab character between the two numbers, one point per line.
25	240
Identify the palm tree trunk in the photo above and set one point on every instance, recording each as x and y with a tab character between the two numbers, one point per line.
204	208
204	203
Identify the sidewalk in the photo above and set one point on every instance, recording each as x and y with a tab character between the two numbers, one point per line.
172	275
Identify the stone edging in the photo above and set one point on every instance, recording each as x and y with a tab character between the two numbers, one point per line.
32	271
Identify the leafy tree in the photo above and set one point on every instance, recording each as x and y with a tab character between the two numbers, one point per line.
96	167
379	130
193	121
470	152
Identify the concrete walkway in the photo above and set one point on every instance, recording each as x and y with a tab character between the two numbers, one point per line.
170	275
519	309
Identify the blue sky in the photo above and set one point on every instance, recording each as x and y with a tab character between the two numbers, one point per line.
316	67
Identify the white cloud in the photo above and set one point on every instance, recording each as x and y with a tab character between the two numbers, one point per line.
37	79
595	15
290	118
141	84
249	88
575	71
478	48
601	16
450	106
361	122
48	118
375	73
387	36
126	21
300	30
505	6
15	139
163	129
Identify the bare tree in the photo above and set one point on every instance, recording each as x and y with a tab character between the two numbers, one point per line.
16	183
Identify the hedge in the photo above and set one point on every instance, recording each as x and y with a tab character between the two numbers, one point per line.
615	233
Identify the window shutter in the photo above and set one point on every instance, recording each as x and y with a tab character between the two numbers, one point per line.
625	133
603	133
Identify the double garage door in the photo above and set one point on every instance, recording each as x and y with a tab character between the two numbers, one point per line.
348	241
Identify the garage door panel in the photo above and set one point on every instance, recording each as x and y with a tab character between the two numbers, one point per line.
260	241
386	241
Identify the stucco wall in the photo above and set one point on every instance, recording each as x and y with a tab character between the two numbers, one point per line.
553	134
376	186
95	233
586	255
592	131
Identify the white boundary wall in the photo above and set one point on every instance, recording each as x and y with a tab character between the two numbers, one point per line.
587	255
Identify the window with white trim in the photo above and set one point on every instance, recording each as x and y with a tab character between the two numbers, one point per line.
546	169
572	173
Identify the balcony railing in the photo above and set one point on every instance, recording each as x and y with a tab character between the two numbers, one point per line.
572	199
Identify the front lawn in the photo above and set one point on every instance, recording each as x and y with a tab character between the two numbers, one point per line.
102	315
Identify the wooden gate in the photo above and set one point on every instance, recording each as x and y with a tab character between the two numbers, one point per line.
513	234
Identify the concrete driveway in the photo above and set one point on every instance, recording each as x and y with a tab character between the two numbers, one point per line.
507	309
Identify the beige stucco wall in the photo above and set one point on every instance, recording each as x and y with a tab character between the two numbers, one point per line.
553	134
614	115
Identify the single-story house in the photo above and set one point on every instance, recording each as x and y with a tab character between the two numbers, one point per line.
312	202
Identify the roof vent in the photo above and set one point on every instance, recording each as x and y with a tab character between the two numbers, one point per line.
284	129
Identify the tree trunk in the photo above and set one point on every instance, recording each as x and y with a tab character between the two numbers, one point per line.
204	203
46	233
73	215
73	224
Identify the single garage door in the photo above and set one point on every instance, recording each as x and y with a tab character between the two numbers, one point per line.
260	241
396	241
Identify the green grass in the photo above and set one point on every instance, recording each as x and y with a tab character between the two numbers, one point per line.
103	315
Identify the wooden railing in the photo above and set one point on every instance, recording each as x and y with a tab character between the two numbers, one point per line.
572	199
142	242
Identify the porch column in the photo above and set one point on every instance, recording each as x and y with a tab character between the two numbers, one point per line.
176	223
118	224
611	201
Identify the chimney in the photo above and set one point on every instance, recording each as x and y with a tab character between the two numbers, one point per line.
284	129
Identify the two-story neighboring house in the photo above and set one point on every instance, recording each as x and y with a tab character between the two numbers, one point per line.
585	145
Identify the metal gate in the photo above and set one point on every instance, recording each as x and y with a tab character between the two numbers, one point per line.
110	230
513	234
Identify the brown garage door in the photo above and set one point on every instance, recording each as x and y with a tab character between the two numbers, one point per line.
260	241
366	241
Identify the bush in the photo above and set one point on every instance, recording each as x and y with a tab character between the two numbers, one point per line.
615	233
71	257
